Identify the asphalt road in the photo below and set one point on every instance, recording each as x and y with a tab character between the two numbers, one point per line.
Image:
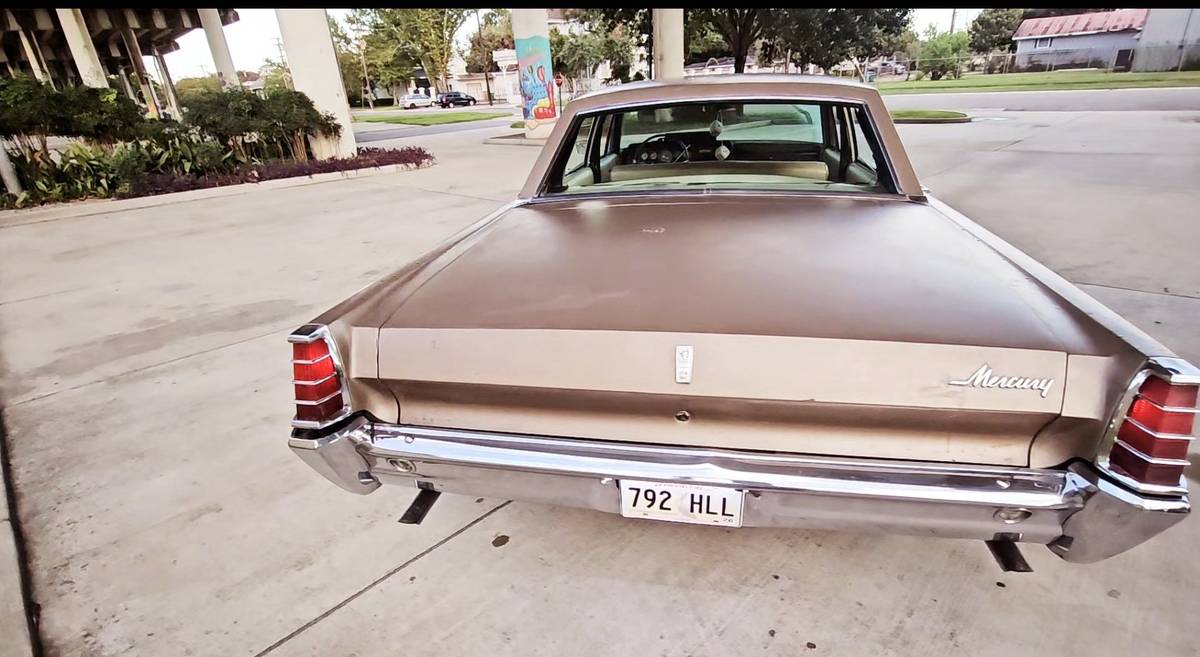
375	131
146	378
1167	99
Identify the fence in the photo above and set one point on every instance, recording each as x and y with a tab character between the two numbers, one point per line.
1143	58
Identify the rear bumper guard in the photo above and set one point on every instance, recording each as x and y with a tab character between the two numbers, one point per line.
1077	512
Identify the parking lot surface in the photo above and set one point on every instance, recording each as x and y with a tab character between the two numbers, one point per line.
146	383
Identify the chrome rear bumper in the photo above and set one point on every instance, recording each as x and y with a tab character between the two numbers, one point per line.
1079	514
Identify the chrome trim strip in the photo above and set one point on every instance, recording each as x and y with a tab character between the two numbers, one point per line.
310	362
313	383
305	334
895	480
319	401
1079	513
1157	435
1179	490
1176	371
1151	459
311	333
309	424
1170	409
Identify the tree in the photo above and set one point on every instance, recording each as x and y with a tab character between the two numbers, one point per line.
424	35
992	30
189	86
349	62
702	42
942	52
496	34
740	28
576	56
826	37
389	64
906	45
637	24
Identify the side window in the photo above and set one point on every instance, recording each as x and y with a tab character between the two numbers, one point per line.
606	128
578	157
862	147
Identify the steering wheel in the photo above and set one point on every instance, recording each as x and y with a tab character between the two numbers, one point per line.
660	149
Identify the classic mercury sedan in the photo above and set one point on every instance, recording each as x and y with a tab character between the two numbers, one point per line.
729	301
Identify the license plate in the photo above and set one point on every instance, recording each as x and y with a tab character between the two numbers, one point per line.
702	505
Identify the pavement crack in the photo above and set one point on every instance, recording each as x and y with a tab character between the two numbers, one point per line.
1134	289
354	596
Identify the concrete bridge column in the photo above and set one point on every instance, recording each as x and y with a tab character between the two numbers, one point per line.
668	43
535	72
83	51
34	62
313	62
214	31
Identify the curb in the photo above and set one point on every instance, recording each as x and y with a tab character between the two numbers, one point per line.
963	119
76	209
18	624
514	139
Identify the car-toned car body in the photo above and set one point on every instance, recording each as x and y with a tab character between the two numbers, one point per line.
729	301
452	98
413	101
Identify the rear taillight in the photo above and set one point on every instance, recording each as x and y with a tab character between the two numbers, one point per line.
1149	442
321	395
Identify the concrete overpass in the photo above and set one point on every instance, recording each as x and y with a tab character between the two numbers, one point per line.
105	47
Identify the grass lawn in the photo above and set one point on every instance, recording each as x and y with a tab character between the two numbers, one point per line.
1044	81
927	116
438	118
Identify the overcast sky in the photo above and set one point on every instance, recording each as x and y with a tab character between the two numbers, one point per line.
252	39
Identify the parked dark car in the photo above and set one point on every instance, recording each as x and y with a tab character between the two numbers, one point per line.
455	98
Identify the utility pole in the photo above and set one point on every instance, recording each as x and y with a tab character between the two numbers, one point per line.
287	72
953	16
368	93
487	85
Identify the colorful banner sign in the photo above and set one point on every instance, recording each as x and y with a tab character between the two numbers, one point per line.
537	80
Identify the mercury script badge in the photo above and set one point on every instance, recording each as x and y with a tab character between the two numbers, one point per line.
983	378
683	363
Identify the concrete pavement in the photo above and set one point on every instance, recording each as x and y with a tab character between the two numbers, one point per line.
148	403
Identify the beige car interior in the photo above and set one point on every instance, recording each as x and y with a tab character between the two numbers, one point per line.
836	161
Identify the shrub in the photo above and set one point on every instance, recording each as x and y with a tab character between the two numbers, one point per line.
129	163
163	183
941	54
101	115
30	111
257	129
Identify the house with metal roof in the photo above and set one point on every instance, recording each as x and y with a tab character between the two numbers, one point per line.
1102	39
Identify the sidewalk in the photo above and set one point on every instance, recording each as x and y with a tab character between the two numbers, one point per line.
14	624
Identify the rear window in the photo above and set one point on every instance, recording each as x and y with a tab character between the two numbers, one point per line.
752	145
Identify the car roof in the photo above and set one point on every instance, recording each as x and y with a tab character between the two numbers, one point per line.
752	84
